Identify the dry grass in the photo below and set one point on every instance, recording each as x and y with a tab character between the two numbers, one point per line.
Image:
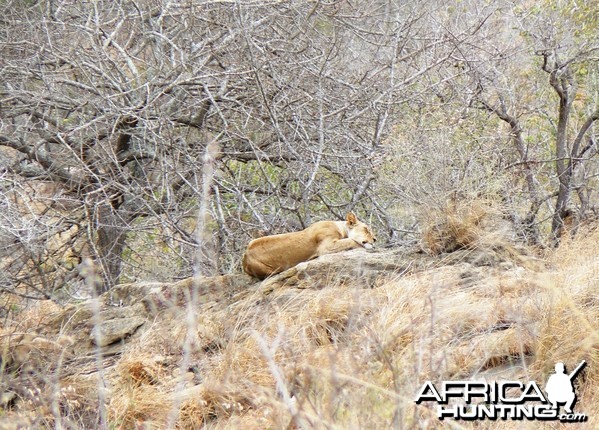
346	356
461	224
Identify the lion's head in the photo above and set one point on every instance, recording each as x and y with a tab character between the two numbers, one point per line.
359	232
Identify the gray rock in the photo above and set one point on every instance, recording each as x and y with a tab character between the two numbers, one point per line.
115	324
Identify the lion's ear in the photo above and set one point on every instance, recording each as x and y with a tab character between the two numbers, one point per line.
351	219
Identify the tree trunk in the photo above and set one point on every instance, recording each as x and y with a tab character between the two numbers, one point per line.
562	81
111	228
110	243
531	231
564	172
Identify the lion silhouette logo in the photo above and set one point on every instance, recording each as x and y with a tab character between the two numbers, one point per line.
559	387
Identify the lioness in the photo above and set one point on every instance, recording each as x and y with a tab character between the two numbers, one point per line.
273	254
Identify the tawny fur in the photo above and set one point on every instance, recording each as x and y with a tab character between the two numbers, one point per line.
273	254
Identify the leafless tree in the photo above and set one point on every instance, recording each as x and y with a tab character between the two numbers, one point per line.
504	76
113	104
